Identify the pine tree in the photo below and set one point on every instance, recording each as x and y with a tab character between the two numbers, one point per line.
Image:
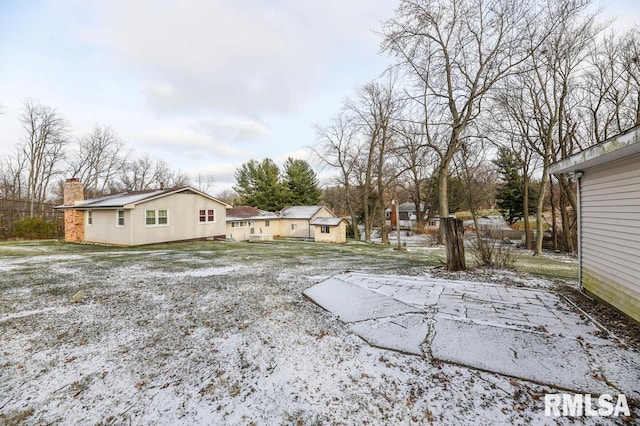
510	193
259	185
301	183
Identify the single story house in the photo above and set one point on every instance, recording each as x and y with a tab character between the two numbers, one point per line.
317	223
245	223
295	221
608	176
142	217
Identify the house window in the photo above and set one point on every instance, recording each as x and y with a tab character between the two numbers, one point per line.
120	217
294	226
266	223
163	217
89	217
156	217
150	217
324	229
205	216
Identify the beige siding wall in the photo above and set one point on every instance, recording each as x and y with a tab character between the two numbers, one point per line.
183	224
242	233
610	202
302	228
337	234
105	229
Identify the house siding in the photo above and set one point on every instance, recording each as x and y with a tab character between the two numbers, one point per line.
184	224
104	228
610	233
337	234
242	233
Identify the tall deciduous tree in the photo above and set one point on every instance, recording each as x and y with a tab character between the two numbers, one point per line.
455	51
301	183
46	136
338	147
98	160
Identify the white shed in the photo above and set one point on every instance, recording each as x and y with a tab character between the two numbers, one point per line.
608	176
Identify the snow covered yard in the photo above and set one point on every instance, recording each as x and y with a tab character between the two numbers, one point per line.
220	333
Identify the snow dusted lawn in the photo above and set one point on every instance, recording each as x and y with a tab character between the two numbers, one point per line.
220	333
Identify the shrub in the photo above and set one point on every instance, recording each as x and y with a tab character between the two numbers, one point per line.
493	253
35	228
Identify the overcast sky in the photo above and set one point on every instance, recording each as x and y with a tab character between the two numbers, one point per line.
205	85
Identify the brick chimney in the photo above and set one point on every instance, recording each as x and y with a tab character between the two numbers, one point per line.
73	193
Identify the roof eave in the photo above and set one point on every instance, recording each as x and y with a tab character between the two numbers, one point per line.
616	148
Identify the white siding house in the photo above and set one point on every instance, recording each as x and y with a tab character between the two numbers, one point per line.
608	176
144	217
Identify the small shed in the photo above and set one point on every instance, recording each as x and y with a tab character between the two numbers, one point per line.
330	230
608	176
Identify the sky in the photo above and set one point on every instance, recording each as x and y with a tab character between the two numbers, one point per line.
205	85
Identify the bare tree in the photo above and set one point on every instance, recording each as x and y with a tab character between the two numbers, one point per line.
337	147
46	136
417	162
375	110
455	51
204	182
147	172
98	160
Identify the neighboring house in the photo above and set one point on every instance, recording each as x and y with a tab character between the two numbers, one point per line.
295	221
608	176
330	230
408	217
142	217
243	222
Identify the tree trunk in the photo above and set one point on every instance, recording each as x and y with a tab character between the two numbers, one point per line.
454	234
525	208
443	200
554	219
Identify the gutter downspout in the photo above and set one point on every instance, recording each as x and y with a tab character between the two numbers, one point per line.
578	175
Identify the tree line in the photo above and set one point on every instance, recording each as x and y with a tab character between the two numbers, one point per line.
35	171
482	91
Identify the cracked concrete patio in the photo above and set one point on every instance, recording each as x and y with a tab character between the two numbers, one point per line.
527	333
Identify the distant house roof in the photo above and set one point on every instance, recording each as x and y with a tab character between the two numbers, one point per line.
249	213
299	212
328	221
128	200
623	145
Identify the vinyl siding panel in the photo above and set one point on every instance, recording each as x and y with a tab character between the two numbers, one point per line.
610	233
105	229
184	221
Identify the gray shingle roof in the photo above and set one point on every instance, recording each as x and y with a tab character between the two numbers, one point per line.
299	212
328	221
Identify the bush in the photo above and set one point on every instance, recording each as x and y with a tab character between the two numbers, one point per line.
35	228
493	253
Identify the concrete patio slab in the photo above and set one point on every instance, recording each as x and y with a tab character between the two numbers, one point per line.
527	333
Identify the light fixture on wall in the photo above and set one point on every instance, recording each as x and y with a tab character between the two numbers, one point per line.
578	174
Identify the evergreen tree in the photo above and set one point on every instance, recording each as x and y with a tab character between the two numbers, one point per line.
259	185
301	183
510	193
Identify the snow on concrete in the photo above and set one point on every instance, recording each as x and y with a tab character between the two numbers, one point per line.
529	333
352	303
